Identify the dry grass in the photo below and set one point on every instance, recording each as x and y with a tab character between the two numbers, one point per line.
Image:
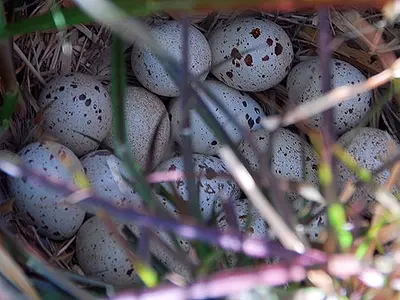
82	48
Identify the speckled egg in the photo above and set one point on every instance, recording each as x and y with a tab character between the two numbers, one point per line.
184	244
243	108
250	222
250	54
287	162
76	103
370	147
144	111
304	84
44	207
151	73
158	248
100	255
212	187
257	227
286	156
106	174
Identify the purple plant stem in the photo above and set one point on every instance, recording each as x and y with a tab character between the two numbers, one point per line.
231	240
327	128
232	282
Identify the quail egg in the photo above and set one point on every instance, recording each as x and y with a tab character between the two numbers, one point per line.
44	207
213	180
145	117
304	84
287	162
287	154
250	222
107	177
100	255
73	104
151	73
250	53
370	147
243	108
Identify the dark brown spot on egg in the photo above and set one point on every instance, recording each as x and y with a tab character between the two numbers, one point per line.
229	74
278	49
214	143
210	173
237	65
73	85
269	41
88	102
236	54
265	58
48	96
82	97
248	60
61	88
97	88
255	32
244	103
172	168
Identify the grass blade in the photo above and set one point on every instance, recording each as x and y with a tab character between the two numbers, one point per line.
13	272
192	187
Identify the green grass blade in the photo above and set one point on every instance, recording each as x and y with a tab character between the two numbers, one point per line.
337	219
45	22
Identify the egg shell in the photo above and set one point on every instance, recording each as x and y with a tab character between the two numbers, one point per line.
184	244
76	103
287	162
144	111
249	222
106	175
43	206
212	187
370	147
243	108
164	255
304	84
287	154
151	73
100	255
257	227
250	53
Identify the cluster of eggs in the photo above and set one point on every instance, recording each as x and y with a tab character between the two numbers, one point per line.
250	54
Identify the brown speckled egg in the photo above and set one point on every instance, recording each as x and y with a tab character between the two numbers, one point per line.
304	84
78	103
257	227
44	207
212	186
286	156
101	256
143	112
370	147
245	109
106	174
287	163
250	54
151	73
